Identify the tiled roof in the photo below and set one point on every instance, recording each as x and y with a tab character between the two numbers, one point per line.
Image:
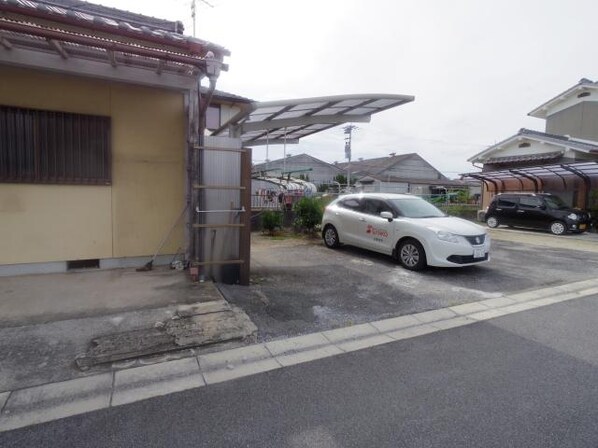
374	166
40	10
525	158
118	14
555	139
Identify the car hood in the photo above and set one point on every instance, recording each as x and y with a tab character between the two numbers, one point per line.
451	224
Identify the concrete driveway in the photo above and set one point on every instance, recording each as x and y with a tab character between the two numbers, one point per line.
300	286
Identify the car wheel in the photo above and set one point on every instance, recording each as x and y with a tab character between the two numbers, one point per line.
331	237
411	255
492	222
558	228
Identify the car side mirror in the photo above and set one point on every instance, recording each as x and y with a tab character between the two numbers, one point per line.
543	207
387	215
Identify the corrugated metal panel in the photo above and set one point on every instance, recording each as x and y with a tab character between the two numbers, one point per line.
222	168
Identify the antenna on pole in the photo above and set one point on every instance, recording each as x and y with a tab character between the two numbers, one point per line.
193	10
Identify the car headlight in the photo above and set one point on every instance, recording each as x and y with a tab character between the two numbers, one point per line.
447	236
573	216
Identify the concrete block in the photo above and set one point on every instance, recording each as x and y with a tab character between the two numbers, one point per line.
544	302
240	370
532	295
297	344
452	323
497	303
468	308
308	355
140	383
395	323
431	316
302	349
350	333
350	345
518	307
54	401
411	332
236	363
490	314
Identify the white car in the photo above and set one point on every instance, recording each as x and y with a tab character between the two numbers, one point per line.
406	227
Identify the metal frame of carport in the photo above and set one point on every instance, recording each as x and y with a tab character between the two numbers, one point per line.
586	171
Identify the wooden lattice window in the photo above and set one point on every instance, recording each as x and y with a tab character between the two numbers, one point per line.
38	146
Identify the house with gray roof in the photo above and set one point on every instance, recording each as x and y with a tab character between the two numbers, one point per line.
399	173
562	160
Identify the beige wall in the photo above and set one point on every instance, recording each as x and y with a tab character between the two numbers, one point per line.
40	223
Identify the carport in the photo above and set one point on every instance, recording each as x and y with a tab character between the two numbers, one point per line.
578	178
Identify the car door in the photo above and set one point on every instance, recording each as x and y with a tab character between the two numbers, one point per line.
530	212
506	210
350	220
378	231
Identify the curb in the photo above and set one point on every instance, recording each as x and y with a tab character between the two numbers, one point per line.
39	404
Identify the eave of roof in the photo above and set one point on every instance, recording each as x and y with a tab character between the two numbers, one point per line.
559	140
583	84
39	13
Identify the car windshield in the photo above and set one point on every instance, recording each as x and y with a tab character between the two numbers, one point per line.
555	202
415	208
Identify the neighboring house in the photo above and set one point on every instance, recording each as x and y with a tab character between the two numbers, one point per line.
99	115
399	173
315	170
563	160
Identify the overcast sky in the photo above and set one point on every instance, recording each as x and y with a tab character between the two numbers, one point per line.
476	68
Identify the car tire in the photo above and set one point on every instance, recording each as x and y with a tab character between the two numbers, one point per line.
411	254
558	228
330	236
492	222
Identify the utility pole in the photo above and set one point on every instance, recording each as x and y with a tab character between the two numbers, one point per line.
348	132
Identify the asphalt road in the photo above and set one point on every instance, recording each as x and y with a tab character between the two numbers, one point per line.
300	288
523	380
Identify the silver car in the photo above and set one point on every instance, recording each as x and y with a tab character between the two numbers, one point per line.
406	227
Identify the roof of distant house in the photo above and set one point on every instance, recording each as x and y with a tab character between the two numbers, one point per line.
559	140
584	85
376	165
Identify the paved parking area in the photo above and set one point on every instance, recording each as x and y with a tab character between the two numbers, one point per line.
300	286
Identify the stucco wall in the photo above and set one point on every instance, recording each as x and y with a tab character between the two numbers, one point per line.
580	120
41	223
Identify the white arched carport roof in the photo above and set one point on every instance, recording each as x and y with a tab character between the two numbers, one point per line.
286	121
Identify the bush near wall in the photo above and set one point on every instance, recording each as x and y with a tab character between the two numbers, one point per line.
309	213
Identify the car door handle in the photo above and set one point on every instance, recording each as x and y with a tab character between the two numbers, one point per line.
520	211
362	219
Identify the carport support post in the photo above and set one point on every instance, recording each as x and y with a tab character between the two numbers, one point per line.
245	231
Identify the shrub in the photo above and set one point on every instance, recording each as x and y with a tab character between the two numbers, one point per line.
309	213
271	220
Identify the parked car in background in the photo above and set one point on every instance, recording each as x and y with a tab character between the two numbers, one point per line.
536	210
407	227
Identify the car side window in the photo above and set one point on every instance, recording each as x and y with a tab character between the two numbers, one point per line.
351	204
507	202
530	202
375	207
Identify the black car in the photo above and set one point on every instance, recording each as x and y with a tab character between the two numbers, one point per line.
536	210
